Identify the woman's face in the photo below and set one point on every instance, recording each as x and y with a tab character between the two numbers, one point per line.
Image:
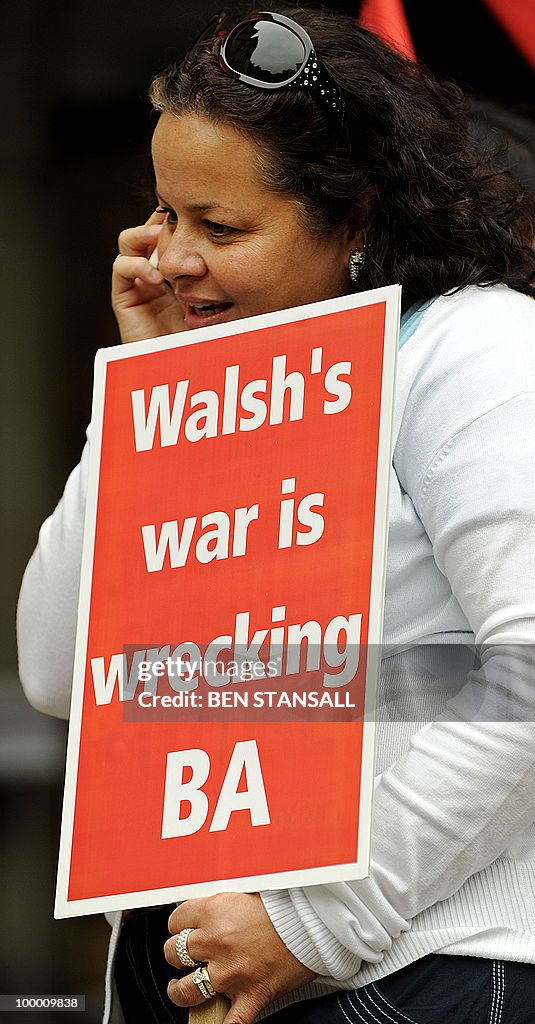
229	247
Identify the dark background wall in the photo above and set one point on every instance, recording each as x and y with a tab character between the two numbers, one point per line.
74	172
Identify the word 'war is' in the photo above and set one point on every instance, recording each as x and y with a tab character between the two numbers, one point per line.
218	535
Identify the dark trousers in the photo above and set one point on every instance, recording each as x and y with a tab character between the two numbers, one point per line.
434	990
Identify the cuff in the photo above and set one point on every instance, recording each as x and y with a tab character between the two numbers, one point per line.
307	936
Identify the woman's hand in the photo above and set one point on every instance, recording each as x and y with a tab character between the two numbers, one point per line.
144	306
245	957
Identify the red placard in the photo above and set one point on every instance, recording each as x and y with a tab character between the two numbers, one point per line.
230	608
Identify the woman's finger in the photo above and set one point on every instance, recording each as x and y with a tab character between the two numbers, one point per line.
244	1009
196	946
189	914
184	991
245	1005
128	269
139	241
157	217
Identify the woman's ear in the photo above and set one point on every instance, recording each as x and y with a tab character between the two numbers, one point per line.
359	220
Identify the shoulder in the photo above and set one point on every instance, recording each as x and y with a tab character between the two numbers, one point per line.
469	353
493	326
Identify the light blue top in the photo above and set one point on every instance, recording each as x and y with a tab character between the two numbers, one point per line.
411	319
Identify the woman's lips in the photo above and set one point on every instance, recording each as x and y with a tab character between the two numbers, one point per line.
205	314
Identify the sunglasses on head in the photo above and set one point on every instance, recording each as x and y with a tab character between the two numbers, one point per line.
269	51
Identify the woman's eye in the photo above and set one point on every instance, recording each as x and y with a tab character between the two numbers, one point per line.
219	230
213	227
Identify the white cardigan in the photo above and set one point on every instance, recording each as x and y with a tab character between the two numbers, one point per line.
453	841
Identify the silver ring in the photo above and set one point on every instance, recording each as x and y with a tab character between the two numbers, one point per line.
181	946
203	982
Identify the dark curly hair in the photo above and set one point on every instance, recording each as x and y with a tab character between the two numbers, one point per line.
437	214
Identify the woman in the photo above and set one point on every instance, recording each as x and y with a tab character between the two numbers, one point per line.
281	182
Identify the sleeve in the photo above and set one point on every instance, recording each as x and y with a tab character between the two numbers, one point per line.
466	786
48	601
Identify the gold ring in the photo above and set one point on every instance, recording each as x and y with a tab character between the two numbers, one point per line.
204	982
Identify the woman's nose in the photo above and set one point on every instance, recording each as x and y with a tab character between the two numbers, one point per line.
178	256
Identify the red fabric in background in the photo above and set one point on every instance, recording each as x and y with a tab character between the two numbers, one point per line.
386	18
517	18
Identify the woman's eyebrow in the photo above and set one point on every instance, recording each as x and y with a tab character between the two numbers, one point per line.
210	205
198	207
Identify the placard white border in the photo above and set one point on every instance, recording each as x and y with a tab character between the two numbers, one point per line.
64	907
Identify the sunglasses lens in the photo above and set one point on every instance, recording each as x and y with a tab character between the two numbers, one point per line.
265	50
